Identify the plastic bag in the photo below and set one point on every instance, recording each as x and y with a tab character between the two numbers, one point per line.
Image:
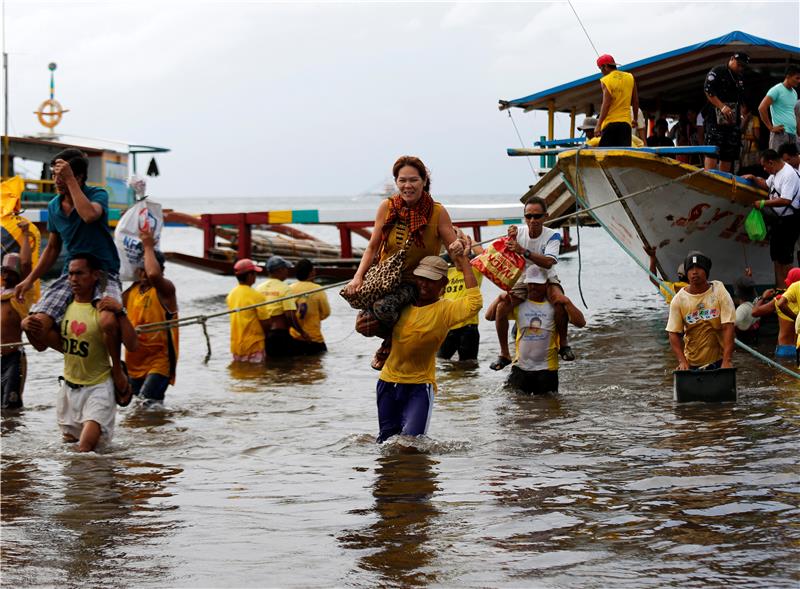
144	215
500	264
755	226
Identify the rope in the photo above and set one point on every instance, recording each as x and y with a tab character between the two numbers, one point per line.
208	343
521	142
585	32
745	347
15	345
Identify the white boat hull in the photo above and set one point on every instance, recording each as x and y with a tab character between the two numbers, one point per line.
703	212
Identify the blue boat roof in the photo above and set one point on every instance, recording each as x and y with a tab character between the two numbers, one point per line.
676	74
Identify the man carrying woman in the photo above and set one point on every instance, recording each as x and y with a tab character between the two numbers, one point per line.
408	380
409	220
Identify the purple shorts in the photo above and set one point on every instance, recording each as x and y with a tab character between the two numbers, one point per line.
403	409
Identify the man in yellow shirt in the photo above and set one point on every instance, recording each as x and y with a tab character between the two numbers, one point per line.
408	378
86	406
281	313
249	326
463	337
787	307
312	310
704	312
152	299
615	123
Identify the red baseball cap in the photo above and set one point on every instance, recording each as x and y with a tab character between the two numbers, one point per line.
793	276
605	59
246	265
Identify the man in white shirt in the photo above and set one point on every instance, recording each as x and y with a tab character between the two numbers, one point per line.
781	210
540	246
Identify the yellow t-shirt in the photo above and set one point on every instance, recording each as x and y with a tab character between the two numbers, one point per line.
668	289
537	340
700	317
153	353
311	311
419	333
620	85
86	358
247	336
792	296
272	288
635	141
455	290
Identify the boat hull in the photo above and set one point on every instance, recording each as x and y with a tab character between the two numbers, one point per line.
686	209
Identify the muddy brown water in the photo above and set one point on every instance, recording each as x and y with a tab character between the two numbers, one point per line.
271	477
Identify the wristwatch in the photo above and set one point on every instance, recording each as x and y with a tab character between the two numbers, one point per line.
121	313
527	254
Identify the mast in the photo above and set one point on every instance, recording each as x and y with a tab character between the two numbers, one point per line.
6	156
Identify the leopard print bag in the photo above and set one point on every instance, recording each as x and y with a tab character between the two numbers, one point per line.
381	279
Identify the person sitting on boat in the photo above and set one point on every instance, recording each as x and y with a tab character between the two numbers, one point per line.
535	367
463	338
86	408
786	310
15	267
665	287
789	154
282	314
703	313
540	246
659	138
724	90
248	327
777	109
312	310
615	124
588	126
152	299
407	381
781	210
77	219
410	219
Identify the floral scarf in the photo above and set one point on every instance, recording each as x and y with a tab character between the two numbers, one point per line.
415	217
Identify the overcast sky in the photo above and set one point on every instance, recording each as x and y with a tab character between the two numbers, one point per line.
263	99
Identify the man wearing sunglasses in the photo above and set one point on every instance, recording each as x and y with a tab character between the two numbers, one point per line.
540	246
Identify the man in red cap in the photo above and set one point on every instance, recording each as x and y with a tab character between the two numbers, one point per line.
247	327
615	123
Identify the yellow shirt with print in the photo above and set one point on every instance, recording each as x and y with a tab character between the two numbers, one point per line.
419	333
272	288
620	86
86	360
701	317
455	290
247	336
537	342
312	310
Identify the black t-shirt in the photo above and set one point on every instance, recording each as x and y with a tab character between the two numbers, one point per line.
725	85
656	141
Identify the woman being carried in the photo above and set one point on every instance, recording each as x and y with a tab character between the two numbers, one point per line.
412	220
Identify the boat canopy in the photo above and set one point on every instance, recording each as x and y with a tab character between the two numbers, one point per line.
671	82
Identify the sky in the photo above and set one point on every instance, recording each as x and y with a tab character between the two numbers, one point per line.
264	98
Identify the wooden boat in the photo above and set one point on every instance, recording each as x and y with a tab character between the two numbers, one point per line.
680	207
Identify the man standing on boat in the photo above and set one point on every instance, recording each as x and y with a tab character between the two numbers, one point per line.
724	89
777	109
704	314
615	124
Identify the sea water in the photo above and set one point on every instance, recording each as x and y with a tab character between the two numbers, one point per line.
270	476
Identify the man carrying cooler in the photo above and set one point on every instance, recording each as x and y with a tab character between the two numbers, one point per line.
704	313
